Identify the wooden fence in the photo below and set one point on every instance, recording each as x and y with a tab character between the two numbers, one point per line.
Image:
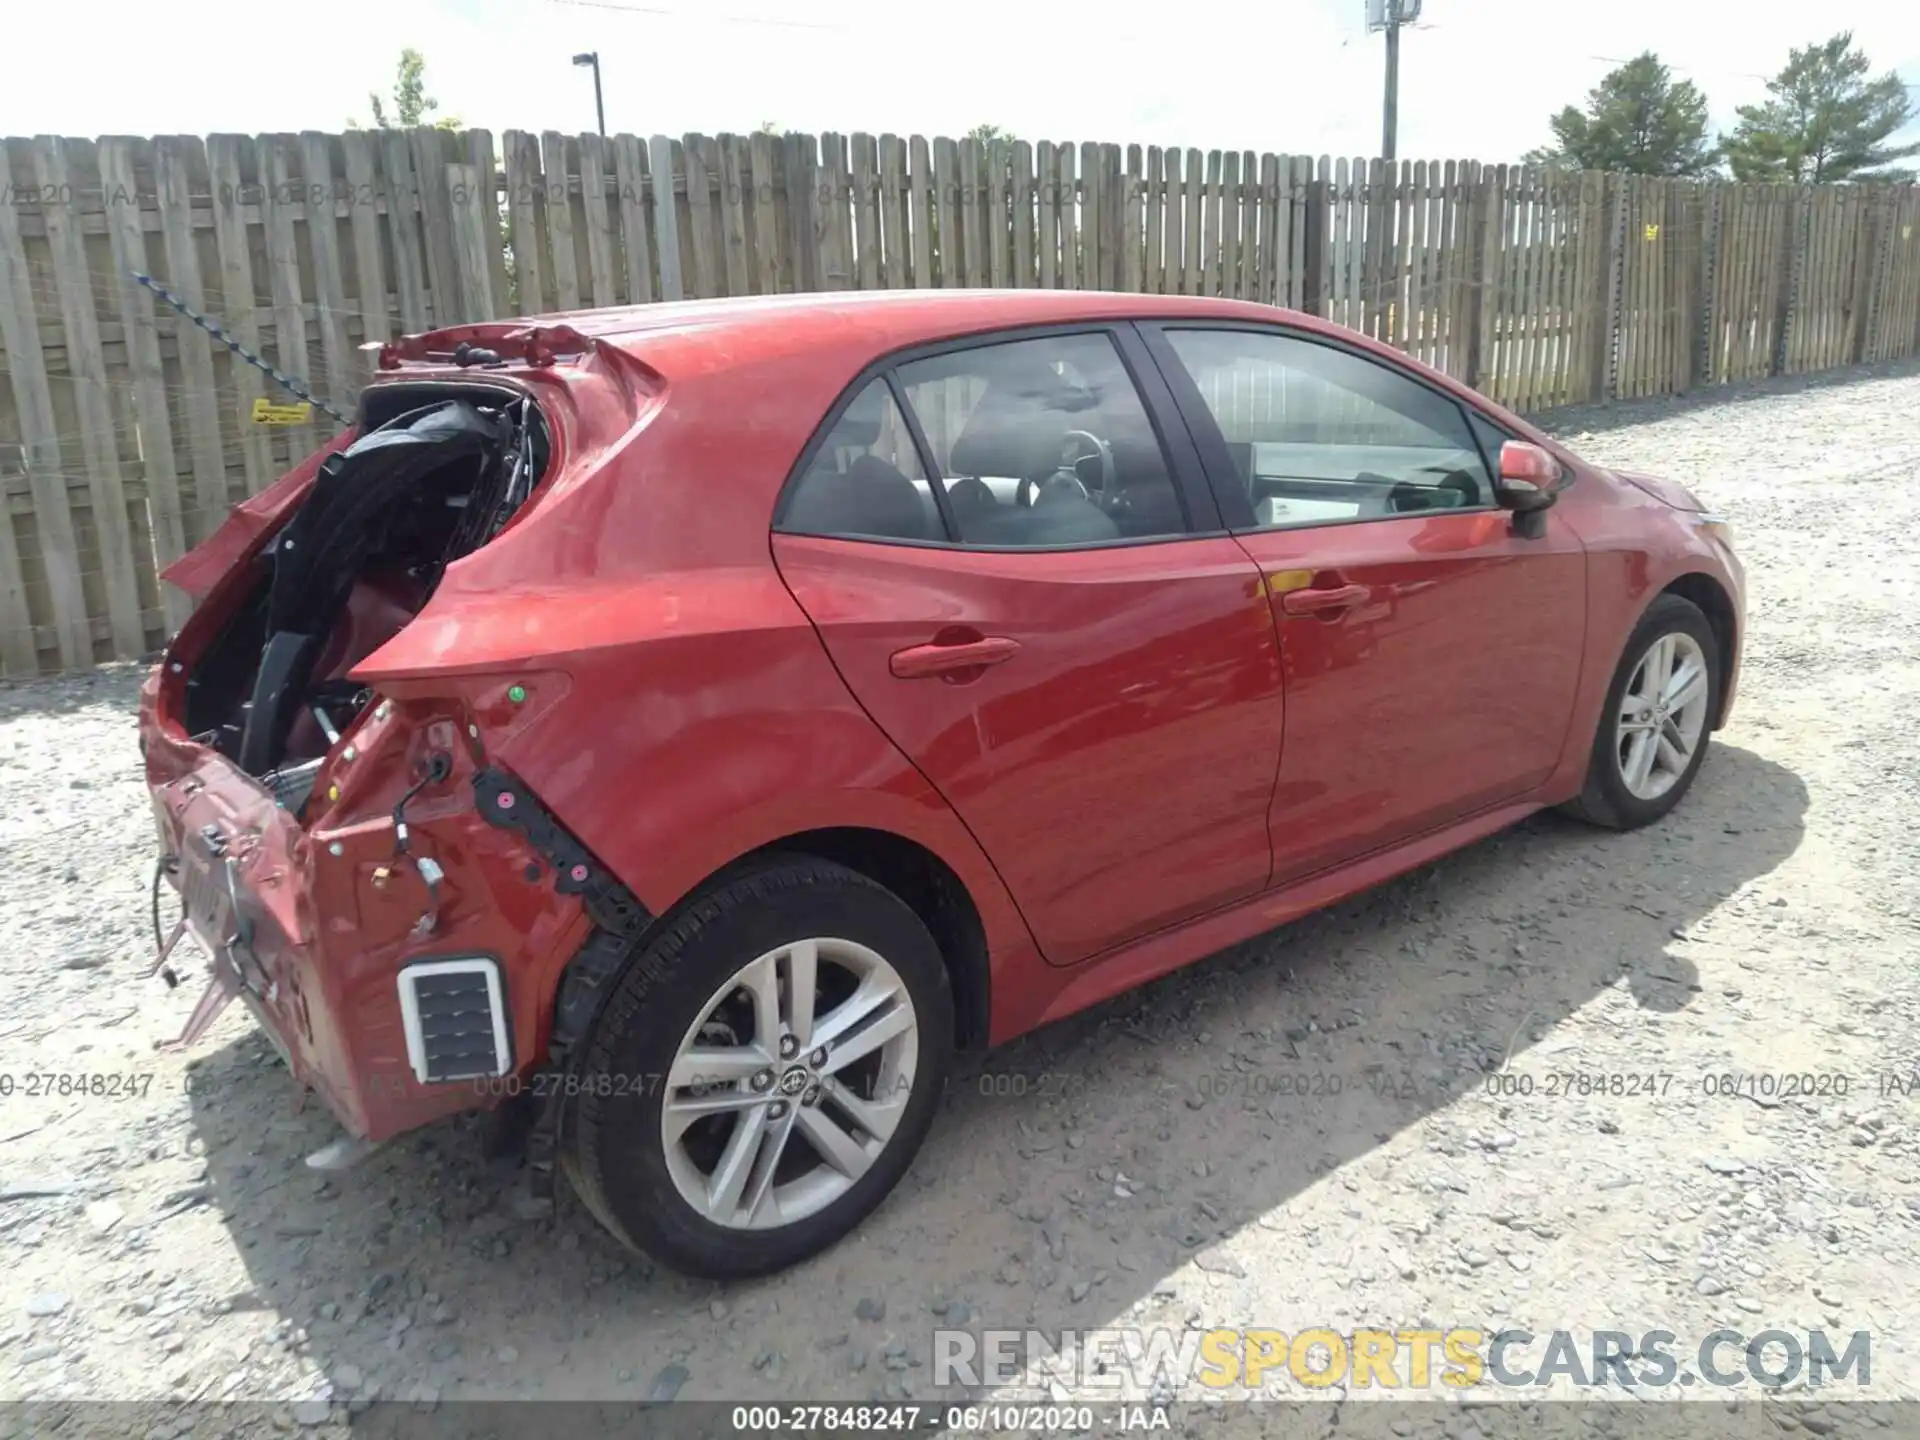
126	433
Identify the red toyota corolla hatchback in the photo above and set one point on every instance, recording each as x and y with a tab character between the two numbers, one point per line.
695	723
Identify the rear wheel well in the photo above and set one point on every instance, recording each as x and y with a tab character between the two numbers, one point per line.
929	888
1706	592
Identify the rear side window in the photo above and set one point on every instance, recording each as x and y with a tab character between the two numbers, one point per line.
866	480
1043	443
1034	444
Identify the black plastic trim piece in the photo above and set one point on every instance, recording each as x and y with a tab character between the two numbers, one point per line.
584	986
619	918
505	802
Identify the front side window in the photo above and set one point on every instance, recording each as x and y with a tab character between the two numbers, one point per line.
1318	434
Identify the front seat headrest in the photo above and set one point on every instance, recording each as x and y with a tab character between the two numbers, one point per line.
1020	422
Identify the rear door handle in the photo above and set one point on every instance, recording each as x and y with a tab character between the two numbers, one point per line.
1323	601
919	661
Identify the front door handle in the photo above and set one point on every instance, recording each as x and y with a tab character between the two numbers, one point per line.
1323	601
919	661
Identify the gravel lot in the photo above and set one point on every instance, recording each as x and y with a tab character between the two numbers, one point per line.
1151	1170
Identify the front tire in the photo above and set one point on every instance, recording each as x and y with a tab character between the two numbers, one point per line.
764	1072
1658	719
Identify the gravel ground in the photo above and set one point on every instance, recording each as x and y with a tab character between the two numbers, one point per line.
1140	1165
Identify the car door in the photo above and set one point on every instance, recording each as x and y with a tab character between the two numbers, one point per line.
1022	576
1431	650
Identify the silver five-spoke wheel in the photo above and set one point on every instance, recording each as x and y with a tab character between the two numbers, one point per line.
790	1083
1663	715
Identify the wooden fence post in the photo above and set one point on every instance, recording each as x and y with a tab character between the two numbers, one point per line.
1793	254
666	217
1688	221
72	282
1316	258
39	441
1707	332
1866	257
1376	210
1913	336
127	243
474	237
1483	308
1609	334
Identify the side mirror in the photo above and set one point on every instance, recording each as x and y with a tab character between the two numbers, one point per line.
1529	477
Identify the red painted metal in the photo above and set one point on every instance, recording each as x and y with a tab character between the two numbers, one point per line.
1444	686
1521	460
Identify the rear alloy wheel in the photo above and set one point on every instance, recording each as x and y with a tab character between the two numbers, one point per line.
764	1072
1658	718
764	1121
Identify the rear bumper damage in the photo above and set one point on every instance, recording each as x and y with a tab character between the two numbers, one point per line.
402	949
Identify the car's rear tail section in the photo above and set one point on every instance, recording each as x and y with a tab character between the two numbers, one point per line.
390	901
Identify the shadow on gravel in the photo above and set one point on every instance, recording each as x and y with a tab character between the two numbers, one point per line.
1595	419
116	686
1071	1171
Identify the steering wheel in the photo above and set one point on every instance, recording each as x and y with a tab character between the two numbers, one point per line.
1408	498
1072	455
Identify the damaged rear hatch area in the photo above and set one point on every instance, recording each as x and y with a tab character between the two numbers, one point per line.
323	836
358	560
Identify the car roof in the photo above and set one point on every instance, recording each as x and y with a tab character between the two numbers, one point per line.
890	319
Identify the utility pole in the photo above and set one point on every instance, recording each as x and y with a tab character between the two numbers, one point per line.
1390	107
592	57
1390	15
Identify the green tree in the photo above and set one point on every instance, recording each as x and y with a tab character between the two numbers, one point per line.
411	103
1638	119
985	133
1825	120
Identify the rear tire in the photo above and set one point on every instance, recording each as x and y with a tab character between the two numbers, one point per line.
728	1133
1657	721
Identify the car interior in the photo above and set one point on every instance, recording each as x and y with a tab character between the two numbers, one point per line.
1300	482
1318	434
1042	458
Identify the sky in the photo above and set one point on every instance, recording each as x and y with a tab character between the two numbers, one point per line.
1479	78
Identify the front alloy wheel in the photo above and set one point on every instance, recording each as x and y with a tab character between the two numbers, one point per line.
764	1070
1662	716
1656	726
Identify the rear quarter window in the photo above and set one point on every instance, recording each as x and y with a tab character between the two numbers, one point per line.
865	480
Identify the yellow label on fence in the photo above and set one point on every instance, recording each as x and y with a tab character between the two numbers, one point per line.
265	412
1906	232
1653	232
